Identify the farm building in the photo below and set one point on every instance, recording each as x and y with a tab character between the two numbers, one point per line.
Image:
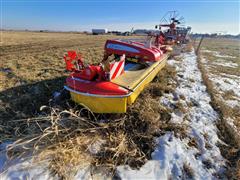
99	31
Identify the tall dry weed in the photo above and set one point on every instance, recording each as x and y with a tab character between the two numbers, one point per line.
70	137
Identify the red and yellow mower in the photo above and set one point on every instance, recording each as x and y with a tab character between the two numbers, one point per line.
111	86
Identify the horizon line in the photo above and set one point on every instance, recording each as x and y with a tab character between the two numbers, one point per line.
82	31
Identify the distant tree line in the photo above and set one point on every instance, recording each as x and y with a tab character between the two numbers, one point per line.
215	35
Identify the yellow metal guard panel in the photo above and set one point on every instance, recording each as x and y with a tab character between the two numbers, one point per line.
101	104
139	88
130	79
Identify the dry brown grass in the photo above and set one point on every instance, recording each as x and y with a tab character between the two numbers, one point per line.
32	67
231	48
193	143
69	137
223	45
224	110
66	138
226	133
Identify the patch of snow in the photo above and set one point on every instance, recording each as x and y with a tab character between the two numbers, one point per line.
218	54
233	103
168	161
3	157
171	62
26	170
18	169
225	63
206	50
234	129
230	122
204	60
56	94
226	84
230	76
95	147
172	153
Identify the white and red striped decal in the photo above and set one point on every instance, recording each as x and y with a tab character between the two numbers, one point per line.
161	53
117	68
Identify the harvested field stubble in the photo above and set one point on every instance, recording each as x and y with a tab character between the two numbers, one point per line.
230	150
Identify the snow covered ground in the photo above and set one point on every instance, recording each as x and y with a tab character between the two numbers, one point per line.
217	54
173	153
195	156
224	63
225	83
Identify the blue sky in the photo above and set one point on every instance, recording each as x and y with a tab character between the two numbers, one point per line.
204	16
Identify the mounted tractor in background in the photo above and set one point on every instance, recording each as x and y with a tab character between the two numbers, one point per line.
172	26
